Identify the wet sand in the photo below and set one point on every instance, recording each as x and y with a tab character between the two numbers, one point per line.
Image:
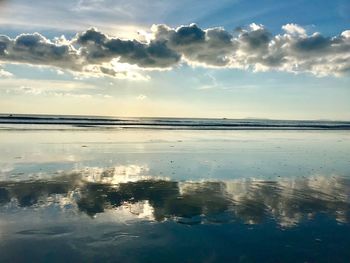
160	195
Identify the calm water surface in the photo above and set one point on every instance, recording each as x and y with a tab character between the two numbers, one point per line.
100	195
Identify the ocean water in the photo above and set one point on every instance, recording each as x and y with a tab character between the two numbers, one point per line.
78	192
170	123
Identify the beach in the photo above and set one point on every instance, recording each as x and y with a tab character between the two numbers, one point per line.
151	195
167	131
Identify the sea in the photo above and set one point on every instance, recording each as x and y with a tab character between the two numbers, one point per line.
173	123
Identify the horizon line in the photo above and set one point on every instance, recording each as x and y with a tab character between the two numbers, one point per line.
9	115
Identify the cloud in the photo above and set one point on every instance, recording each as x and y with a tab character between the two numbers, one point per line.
253	48
35	49
97	47
5	74
141	97
294	29
38	91
50	88
210	47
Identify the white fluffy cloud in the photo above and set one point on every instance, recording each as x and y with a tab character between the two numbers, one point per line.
253	48
294	29
5	74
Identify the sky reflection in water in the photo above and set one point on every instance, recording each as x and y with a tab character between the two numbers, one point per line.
246	197
287	201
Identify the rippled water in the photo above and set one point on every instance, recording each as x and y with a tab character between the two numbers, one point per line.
174	196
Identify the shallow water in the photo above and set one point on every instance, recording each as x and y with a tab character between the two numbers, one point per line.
174	196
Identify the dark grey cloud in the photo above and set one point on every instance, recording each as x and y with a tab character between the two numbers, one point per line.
293	51
37	50
210	47
252	48
4	42
187	35
314	43
97	48
256	39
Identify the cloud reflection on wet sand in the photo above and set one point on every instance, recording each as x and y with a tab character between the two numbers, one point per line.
96	191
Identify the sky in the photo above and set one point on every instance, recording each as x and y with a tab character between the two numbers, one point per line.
185	58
